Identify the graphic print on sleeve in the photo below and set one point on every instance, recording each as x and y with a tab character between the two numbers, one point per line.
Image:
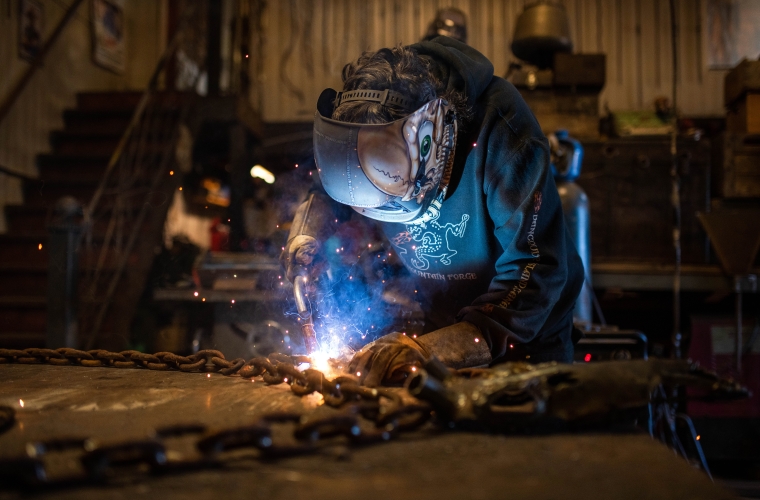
428	239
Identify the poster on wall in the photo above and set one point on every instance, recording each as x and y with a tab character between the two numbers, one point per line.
732	32
108	43
30	30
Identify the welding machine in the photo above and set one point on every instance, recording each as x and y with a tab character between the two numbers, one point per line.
607	343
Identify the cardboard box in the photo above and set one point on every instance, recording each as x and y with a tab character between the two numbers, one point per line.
744	116
745	77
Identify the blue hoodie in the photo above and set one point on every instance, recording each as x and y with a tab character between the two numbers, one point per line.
498	255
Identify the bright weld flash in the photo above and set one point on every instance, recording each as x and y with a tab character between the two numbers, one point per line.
259	172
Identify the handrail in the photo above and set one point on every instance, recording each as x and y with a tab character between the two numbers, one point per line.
130	143
21	84
144	99
19	175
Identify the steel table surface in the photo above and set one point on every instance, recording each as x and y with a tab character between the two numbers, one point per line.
116	404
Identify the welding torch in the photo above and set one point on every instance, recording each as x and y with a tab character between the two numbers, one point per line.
300	287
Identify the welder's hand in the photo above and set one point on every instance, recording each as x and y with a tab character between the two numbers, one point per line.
387	359
302	255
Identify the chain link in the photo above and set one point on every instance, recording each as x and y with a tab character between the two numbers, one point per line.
364	416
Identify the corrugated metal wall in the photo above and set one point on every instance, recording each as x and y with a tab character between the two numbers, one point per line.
68	68
306	43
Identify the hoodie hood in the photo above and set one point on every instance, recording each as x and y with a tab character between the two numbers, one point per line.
458	66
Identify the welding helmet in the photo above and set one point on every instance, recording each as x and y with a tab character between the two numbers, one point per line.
392	171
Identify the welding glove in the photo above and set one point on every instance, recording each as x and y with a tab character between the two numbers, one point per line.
315	219
302	256
389	359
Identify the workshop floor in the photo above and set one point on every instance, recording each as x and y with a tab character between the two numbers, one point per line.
112	405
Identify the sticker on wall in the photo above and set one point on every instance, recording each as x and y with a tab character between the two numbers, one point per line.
108	37
31	29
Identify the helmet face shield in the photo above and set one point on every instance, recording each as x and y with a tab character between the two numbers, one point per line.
390	171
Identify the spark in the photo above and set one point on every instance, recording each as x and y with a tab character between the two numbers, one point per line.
234	275
39	247
208	375
195	294
414	368
477	340
699	436
474	144
203	299
246	56
171	172
233	301
180	188
511	346
21	403
285	380
358	374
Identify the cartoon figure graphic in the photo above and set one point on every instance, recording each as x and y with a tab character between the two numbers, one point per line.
431	240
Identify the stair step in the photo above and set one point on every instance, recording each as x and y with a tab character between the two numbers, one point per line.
53	161
96	122
34	216
41	192
22	340
18	247
23	301
127	100
86	145
23	313
98	101
23	279
65	142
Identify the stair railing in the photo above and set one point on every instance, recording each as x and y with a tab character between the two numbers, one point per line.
135	192
25	78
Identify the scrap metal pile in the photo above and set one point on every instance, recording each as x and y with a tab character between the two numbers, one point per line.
513	397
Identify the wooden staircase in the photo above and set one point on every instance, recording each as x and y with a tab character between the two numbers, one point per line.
80	154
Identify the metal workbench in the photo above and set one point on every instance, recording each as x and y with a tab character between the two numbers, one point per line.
116	404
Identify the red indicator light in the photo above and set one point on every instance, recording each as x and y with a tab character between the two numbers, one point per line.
587	358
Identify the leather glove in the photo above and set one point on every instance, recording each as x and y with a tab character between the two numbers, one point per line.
302	256
388	359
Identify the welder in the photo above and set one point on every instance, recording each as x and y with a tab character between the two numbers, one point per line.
452	163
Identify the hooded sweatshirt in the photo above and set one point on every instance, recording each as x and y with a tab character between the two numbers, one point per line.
499	255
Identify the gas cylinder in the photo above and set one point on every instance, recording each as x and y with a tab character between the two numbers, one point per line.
567	158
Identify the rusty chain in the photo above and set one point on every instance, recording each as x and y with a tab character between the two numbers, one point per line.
359	417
